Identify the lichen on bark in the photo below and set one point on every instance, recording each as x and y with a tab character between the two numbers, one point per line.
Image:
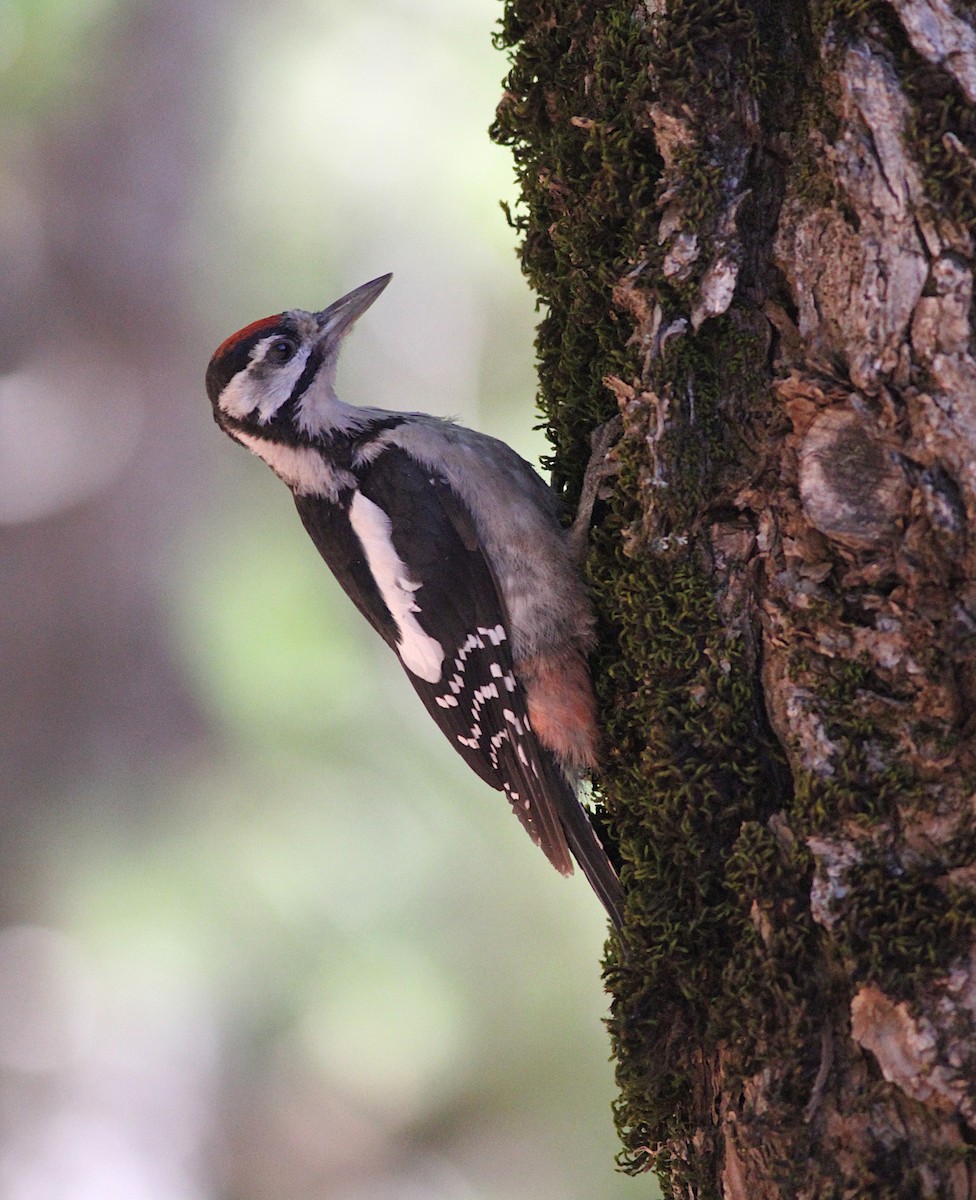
751	227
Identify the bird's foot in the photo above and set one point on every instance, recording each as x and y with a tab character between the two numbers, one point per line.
601	467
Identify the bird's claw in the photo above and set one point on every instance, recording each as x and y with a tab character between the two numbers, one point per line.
601	467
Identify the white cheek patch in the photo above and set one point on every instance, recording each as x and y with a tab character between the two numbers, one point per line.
420	653
302	468
266	392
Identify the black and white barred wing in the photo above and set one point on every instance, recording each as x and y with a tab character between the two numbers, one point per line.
449	629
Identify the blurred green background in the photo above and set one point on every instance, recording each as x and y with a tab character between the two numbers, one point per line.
263	936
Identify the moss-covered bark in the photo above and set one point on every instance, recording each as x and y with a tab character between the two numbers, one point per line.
751	225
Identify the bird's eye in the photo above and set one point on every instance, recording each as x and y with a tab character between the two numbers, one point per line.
281	350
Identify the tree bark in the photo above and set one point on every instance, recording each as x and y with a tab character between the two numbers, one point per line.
751	224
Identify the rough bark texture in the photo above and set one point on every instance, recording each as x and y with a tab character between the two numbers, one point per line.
752	225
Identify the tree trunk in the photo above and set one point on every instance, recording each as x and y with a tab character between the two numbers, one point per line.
751	223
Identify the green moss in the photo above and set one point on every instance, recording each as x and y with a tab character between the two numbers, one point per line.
843	17
898	926
691	43
689	758
720	957
941	127
687	764
715	386
942	134
575	115
888	924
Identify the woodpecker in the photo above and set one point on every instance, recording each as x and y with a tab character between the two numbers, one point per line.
452	548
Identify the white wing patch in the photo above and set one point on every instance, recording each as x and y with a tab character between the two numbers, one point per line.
304	470
419	652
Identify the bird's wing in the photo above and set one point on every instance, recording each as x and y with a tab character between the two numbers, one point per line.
446	621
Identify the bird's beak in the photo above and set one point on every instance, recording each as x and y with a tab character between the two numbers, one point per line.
339	317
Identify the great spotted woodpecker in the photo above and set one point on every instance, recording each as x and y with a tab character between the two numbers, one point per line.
451	546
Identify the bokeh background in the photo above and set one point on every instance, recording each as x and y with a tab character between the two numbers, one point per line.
262	937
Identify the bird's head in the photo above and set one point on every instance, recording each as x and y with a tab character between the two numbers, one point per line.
276	377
